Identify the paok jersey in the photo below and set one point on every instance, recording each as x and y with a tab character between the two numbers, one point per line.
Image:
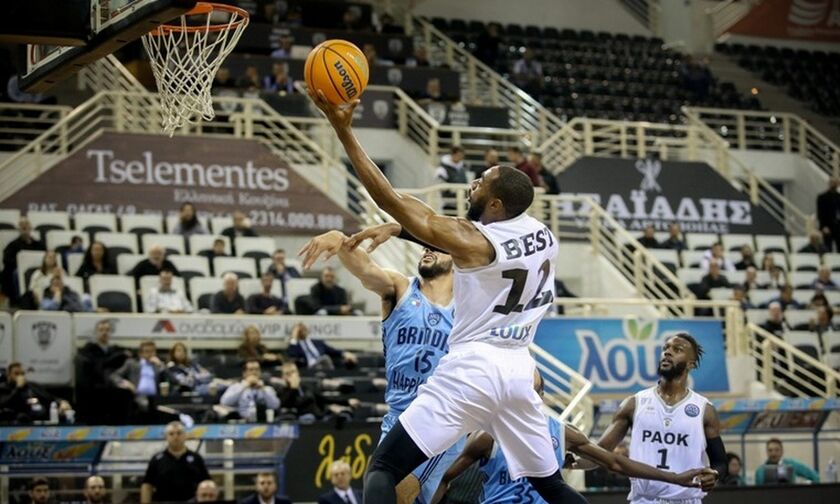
498	487
502	303
670	438
414	337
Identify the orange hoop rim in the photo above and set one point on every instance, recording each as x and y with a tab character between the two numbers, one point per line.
204	8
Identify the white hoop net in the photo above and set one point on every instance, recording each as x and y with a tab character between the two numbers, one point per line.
185	58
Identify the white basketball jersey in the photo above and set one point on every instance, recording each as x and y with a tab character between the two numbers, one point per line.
670	438
502	303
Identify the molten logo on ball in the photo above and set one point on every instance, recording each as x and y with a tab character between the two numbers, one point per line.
346	82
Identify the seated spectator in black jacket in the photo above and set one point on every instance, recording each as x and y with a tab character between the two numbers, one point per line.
775	322
266	491
96	262
25	241
786	300
153	264
188	223
59	297
282	272
313	353
252	347
648	239
186	375
266	303
751	280
241	227
714	279
94	364
228	300
675	238
22	401
303	401
815	245
823	282
747	259
328	298
822	321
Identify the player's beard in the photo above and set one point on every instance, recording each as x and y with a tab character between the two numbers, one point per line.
432	270
673	372
475	210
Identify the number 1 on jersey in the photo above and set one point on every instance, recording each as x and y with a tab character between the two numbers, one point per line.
663	459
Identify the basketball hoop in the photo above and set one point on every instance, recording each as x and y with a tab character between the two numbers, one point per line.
186	56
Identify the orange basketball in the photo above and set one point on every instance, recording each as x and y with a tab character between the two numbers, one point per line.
339	69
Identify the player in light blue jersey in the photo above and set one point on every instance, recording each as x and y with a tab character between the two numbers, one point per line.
499	488
416	321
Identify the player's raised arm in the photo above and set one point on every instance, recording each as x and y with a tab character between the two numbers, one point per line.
579	443
479	446
621	423
455	236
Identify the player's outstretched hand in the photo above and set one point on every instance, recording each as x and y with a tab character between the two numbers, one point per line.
340	116
704	478
376	234
327	244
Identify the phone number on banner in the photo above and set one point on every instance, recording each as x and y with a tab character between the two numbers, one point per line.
302	220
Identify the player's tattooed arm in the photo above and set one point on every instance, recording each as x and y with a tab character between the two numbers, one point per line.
479	446
623	419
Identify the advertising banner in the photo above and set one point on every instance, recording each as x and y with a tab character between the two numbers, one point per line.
145	432
44	345
49	452
622	355
646	192
227	327
132	173
6	336
816	20
308	461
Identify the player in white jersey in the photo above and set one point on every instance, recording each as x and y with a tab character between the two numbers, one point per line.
672	427
503	285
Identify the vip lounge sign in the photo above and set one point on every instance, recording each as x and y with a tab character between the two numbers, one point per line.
797	19
646	192
128	173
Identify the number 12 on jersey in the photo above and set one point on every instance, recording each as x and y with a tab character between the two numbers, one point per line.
520	278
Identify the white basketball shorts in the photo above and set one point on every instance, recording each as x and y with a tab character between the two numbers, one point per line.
481	386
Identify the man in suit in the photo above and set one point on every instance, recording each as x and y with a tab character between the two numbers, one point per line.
241	227
828	207
141	377
311	353
266	491
342	492
94	364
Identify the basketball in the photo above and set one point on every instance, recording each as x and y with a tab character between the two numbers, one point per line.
339	69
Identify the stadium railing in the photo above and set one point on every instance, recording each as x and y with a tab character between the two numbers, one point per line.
778	131
20	123
566	391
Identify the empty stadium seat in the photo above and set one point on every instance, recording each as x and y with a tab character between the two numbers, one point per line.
141	223
803	296
690	275
757	316
736	277
9	218
27	262
202	290
75	284
114	292
720	294
831	346
255	247
219	224
202	244
799	319
797	242
171	243
147	283
700	241
127	262
667	257
801	279
299	287
74	262
735	241
772	243
244	267
94	222
692	258
59	239
806	341
804	262
45	221
118	243
760	297
191	266
833	297
832	260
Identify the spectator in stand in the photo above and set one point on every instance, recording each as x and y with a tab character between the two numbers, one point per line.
218	250
778	278
173	474
697	78
747	259
241	227
452	169
306	403
351	20
739	294
188	223
39	491
420	58
714	279
775	322
96	262
228	300
549	180
828	215
95	491
287	42
76	247
768	262
94	364
329	298
312	353
648	239
251	397
373	58
141	377
491	159
154	263
388	25
24	241
207	491
517	159
818	300
815	245
775	457
487	45
266	491
264	302
251	79
23	401
59	297
733	475
675	239
223	79
42	277
252	347
528	73
279	81
715	254
431	98
786	299
165	297
822	321
751	279
342	492
823	281
282	272
186	375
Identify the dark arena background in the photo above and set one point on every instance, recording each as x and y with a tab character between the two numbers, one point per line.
685	154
